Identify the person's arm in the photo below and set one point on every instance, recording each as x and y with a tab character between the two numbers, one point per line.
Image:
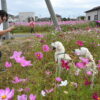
3	32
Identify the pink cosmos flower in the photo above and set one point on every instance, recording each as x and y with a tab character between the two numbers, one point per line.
6	94
98	65
98	61
80	43
47	72
58	79
32	97
49	91
16	54
45	48
25	63
84	60
80	65
22	61
39	55
89	73
18	80
19	59
45	92
26	89
83	63
8	64
22	97
65	64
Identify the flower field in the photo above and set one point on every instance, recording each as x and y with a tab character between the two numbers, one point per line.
23	27
29	67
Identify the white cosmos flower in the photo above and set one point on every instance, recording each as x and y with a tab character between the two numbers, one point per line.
63	83
43	93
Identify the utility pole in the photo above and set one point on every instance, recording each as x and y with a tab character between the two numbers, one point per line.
5	24
52	13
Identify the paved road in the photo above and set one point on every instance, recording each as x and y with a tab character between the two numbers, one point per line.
22	35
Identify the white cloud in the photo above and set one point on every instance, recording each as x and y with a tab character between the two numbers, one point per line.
74	3
63	7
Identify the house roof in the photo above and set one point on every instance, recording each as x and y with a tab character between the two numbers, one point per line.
93	9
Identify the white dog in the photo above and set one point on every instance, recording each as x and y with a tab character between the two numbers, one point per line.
84	52
60	54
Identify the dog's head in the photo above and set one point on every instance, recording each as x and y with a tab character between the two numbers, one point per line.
58	46
81	52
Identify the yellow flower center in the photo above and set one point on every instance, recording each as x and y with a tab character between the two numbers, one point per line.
98	98
38	55
4	97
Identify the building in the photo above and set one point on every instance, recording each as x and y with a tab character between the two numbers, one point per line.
44	19
93	14
13	18
25	16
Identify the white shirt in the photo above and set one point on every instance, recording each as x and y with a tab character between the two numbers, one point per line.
1	26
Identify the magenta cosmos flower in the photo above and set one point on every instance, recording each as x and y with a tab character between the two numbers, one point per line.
87	82
6	94
95	96
39	55
80	43
65	64
45	48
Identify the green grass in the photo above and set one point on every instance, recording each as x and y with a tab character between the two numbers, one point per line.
37	79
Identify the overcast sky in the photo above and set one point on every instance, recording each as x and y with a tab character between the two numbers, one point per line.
65	8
